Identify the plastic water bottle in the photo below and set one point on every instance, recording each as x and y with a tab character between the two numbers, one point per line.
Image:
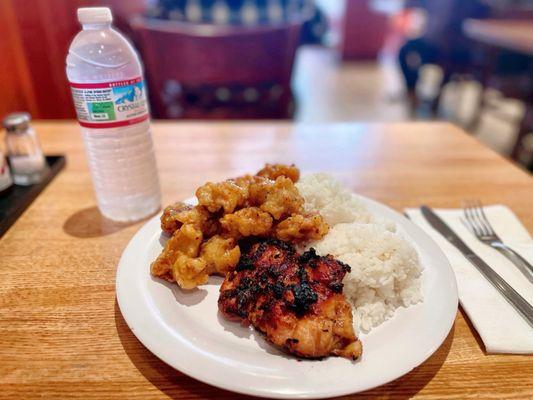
107	86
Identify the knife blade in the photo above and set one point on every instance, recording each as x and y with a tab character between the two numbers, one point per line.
512	296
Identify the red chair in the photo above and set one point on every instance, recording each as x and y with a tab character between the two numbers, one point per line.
198	71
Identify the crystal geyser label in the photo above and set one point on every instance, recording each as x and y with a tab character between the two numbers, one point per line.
110	104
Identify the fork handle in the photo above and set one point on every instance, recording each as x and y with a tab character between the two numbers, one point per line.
525	267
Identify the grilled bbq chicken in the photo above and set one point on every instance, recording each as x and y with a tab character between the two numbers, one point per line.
295	300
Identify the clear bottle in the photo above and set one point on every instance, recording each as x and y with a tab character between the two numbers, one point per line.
5	175
108	90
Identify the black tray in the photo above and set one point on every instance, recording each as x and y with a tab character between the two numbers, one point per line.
17	198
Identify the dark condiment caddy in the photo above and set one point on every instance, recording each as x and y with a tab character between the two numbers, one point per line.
17	198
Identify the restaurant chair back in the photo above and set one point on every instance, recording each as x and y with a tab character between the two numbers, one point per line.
202	71
510	73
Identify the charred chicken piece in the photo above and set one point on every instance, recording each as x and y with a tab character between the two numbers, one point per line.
295	300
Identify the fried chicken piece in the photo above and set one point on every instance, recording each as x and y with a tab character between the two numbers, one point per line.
162	266
220	254
189	239
298	228
189	272
282	199
250	221
295	300
223	195
258	189
273	171
246	182
279	198
185	242
178	214
169	222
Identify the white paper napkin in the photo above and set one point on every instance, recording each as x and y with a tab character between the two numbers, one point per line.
501	328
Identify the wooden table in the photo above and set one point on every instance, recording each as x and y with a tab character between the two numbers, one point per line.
516	35
62	334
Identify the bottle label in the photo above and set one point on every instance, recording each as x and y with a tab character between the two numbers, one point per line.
110	104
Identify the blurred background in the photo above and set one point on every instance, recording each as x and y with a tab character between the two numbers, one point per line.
314	61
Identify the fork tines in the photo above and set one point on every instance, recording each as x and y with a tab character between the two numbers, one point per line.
476	220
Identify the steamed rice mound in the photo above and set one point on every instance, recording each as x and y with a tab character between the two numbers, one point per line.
385	267
322	193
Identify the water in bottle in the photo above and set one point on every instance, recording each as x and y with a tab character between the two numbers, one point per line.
108	90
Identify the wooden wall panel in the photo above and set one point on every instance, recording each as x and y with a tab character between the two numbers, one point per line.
15	84
42	30
40	24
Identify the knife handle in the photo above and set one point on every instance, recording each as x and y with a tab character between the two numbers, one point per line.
512	296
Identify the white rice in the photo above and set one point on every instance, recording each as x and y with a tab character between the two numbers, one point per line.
385	267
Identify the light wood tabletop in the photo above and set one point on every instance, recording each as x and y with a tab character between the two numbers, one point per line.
514	35
63	336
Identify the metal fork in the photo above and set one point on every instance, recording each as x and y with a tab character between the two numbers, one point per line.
477	222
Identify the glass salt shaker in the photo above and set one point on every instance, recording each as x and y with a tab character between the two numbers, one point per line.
5	174
23	150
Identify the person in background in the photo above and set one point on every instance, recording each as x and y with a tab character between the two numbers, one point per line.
244	12
442	41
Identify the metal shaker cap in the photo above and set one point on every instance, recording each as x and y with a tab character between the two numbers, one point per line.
17	122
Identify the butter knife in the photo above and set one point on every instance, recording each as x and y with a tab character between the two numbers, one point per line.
518	302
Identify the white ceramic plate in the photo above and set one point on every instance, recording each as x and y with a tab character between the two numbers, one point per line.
184	329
